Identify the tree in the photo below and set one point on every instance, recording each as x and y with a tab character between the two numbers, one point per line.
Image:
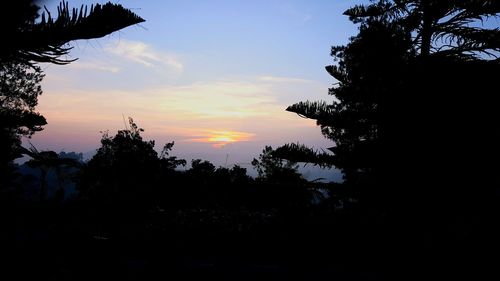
405	60
121	165
444	28
170	162
125	167
238	175
19	91
415	125
201	169
415	128
273	169
370	69
31	41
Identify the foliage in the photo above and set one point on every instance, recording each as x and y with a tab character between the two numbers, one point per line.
30	41
369	66
205	171
170	162
301	153
201	168
274	169
420	124
125	166
444	28
238	175
19	91
125	146
385	83
45	40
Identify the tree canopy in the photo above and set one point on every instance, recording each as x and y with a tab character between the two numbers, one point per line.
19	91
397	80
125	166
31	39
273	169
446	28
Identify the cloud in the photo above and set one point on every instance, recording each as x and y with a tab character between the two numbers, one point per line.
94	66
228	103
144	54
217	99
204	103
219	138
216	113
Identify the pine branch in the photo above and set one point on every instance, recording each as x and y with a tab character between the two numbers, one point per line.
296	152
46	41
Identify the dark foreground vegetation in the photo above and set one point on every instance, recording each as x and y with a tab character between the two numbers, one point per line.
414	130
135	217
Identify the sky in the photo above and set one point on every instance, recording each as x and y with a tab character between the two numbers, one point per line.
213	76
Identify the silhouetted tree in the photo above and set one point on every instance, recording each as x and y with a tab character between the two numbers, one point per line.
202	168
444	28
120	162
31	40
274	169
413	122
125	167
170	162
398	43
202	174
239	175
19	91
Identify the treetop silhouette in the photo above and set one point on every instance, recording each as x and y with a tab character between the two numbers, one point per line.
397	80
19	91
32	40
126	166
444	28
273	169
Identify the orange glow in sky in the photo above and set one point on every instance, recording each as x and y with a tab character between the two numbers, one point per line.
213	90
219	139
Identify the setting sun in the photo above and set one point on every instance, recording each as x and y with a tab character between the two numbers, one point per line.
220	138
146	140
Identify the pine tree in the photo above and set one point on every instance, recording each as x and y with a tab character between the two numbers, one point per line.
396	75
415	130
33	40
29	41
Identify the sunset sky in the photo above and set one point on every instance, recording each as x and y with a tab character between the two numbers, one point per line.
213	76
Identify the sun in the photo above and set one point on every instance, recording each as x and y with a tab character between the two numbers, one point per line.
222	138
219	139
